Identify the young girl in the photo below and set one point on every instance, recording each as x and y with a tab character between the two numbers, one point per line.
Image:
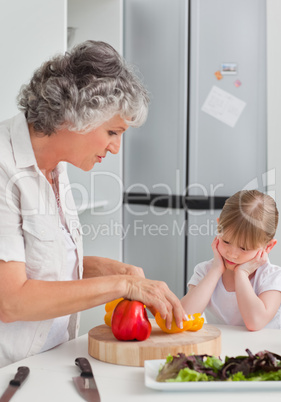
239	286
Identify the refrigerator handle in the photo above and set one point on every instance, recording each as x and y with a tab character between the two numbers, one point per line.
175	201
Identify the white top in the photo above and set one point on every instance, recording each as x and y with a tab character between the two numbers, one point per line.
58	332
223	307
30	232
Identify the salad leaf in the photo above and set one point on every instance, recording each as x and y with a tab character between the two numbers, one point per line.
189	375
262	361
197	363
238	377
172	367
263	366
270	376
213	362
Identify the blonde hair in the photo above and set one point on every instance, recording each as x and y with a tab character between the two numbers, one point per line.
249	218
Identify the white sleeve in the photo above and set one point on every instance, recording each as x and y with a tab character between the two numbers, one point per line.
199	272
270	279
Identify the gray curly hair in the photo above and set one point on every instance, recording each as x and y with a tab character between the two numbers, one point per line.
82	89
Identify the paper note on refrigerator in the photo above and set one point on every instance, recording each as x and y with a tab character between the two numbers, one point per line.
223	106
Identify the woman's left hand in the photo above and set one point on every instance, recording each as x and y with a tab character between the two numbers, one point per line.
251	266
99	266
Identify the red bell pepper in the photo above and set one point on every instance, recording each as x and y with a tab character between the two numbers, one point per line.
130	322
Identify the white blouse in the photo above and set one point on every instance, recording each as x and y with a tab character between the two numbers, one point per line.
30	232
59	330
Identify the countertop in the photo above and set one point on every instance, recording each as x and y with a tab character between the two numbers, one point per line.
51	373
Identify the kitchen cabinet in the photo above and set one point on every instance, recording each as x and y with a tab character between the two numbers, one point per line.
99	192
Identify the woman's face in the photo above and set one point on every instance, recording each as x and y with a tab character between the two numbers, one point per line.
232	254
88	149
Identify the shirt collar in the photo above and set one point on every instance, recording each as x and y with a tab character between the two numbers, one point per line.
20	138
22	147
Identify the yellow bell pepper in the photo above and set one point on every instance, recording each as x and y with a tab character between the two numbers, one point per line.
109	308
188	325
197	322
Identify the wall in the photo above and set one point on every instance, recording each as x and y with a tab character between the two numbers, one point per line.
274	111
26	40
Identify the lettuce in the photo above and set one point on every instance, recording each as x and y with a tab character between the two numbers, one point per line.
189	375
190	366
172	367
237	377
213	362
270	376
263	366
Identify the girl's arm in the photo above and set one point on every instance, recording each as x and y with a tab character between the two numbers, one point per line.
256	311
197	298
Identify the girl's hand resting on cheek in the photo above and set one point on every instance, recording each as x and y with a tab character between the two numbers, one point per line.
251	266
218	260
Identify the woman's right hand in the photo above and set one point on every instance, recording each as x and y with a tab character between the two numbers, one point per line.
218	261
157	296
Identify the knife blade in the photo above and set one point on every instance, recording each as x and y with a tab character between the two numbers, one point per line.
86	384
15	383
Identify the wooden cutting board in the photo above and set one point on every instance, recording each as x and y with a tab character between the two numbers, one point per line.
103	346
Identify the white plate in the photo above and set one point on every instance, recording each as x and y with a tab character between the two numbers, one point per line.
151	368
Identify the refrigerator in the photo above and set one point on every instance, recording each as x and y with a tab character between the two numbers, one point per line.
204	64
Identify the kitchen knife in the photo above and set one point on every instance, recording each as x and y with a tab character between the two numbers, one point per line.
86	383
15	383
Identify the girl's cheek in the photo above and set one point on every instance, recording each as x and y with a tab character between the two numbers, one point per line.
220	248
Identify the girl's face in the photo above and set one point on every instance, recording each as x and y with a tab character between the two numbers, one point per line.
233	254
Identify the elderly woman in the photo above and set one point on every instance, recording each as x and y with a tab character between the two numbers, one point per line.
75	109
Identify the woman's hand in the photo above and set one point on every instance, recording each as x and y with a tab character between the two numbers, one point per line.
99	266
251	266
157	296
218	263
113	267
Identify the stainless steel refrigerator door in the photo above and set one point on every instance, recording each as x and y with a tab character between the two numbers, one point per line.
156	41
225	159
201	231
154	239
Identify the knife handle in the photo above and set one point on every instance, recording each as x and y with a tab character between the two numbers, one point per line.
21	375
85	367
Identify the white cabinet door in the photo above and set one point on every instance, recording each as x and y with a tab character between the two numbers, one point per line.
102	227
201	231
225	158
156	41
154	239
30	32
